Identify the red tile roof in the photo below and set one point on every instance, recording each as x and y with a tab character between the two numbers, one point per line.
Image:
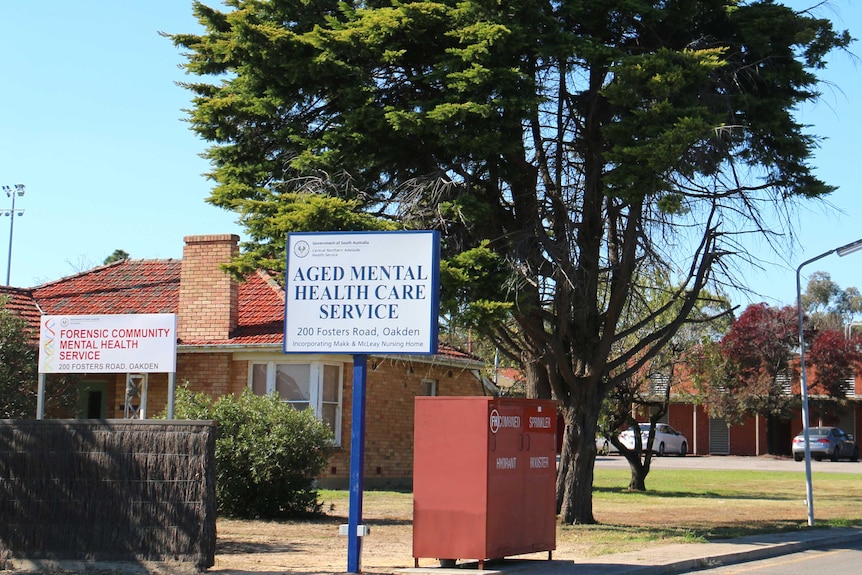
123	287
153	286
20	302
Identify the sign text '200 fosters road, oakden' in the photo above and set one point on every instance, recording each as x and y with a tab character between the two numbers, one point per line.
373	291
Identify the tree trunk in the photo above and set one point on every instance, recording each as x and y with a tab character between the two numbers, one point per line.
575	476
639	470
538	384
637	481
563	467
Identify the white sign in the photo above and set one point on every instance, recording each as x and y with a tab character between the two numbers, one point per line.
362	292
145	343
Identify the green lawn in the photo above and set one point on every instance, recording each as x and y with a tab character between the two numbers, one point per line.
695	505
680	506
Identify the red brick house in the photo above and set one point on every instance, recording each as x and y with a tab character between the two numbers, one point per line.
712	436
230	337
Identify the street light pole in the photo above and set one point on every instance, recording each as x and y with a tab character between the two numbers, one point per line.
12	192
809	491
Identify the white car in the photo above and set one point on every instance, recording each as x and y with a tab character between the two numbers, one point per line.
667	439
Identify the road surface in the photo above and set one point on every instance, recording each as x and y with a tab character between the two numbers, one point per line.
759	463
833	561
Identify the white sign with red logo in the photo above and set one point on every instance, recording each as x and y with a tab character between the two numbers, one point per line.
142	343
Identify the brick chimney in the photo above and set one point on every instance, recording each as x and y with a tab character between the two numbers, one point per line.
209	297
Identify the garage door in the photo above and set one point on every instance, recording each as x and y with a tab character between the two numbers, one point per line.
719	437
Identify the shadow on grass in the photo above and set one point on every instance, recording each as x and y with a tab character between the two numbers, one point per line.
232	547
332	518
660	494
700	534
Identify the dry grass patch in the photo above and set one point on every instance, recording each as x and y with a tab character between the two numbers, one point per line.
680	506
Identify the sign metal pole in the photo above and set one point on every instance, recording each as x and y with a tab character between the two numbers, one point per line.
357	465
172	394
40	398
360	293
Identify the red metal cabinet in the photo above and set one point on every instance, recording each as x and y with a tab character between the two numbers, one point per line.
484	476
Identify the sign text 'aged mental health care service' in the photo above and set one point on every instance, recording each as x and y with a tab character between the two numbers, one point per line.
362	292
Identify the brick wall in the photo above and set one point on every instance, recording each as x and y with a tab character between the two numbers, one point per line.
209	298
749	437
213	373
391	387
157	394
693	422
702	431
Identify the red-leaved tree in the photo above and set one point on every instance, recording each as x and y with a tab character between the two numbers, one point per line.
750	369
747	372
833	357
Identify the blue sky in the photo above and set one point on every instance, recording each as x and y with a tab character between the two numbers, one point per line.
91	122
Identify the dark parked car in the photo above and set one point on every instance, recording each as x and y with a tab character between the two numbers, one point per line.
829	442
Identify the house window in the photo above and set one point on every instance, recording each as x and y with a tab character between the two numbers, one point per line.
313	385
293	384
428	387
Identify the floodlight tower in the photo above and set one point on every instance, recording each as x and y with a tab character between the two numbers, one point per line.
12	192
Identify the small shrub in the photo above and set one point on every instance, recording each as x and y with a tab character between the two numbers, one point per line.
268	454
18	367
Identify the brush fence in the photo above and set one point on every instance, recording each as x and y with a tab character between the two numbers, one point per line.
107	491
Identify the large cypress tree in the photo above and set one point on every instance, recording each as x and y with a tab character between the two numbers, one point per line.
560	146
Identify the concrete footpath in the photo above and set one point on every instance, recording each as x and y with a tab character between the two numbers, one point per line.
676	558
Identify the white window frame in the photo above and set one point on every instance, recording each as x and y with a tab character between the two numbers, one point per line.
432	383
315	400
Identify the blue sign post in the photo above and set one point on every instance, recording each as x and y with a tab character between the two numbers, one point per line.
357	465
361	293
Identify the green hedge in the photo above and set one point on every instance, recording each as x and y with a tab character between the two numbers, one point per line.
268	454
